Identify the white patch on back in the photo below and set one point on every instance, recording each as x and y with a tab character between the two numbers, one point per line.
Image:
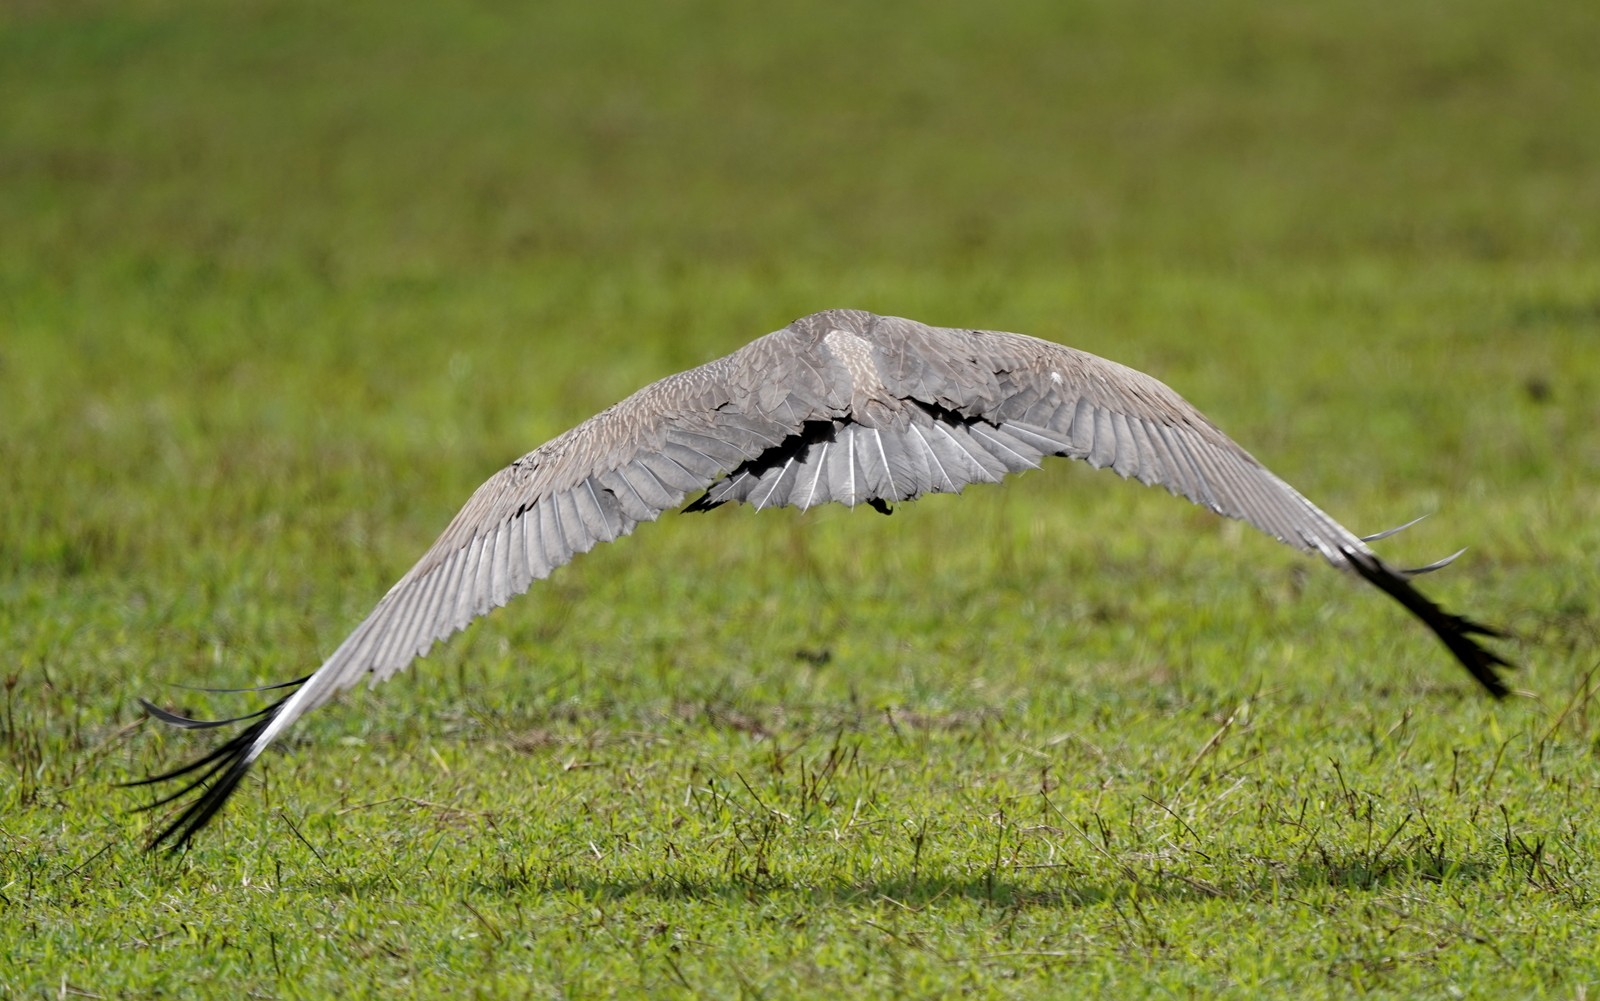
856	354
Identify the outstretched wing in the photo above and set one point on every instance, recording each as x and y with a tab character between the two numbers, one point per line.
592	484
951	407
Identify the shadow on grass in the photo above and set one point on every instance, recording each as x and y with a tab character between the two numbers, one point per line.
1363	871
1059	886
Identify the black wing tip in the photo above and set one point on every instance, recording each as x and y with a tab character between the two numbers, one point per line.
703	503
1455	631
220	771
293	683
190	723
215	785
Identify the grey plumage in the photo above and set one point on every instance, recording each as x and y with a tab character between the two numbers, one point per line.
839	406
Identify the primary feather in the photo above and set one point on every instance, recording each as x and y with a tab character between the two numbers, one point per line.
843	406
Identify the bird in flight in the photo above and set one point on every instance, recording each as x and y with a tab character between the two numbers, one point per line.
844	406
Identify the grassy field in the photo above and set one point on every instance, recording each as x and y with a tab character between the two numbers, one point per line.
281	283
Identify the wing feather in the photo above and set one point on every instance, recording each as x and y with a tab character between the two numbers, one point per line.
876	477
556	553
919	462
988	468
773	487
670	473
432	588
564	522
656	494
1012	453
939	477
539	564
500	567
632	503
519	574
817	492
389	632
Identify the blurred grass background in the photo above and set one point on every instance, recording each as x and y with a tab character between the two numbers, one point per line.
281	282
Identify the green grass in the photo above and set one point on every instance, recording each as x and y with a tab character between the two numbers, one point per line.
281	284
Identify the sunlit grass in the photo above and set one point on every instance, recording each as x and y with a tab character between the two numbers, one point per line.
281	286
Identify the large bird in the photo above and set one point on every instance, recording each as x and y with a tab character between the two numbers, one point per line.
841	405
